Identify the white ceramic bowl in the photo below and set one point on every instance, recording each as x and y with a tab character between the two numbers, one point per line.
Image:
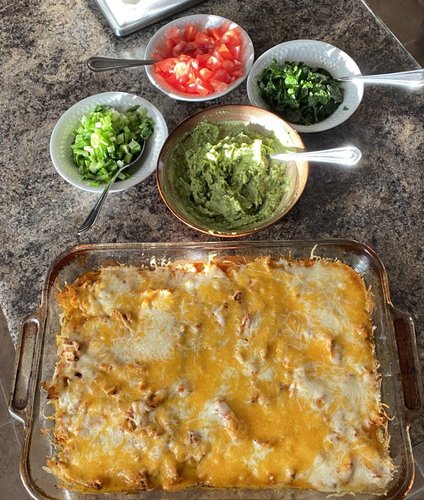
202	21
315	54
62	138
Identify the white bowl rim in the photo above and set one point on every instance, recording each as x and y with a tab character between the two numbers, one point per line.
160	134
180	96
329	122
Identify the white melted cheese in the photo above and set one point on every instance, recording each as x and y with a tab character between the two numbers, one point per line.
116	283
257	455
267	366
155	341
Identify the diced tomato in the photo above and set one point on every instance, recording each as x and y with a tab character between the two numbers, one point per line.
181	69
214	33
157	55
190	33
203	40
224	52
205	74
237	73
166	65
228	65
224	27
213	63
184	58
169	45
231	35
179	48
203	88
195	64
235	51
221	75
191	48
203	59
191	89
174	83
184	72
200	62
217	85
173	32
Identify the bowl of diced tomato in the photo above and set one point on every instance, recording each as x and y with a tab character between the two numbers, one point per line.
200	57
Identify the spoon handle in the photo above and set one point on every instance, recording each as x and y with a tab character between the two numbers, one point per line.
411	79
349	155
92	216
98	63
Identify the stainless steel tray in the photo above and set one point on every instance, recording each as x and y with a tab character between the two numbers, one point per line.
36	357
146	13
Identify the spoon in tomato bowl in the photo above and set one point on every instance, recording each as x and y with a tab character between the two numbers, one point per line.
98	63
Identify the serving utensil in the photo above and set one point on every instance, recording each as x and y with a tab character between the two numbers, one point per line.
98	63
411	79
92	216
349	155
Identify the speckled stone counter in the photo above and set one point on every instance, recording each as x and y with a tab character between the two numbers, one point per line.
44	45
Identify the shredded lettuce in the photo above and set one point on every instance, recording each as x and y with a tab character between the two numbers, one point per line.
106	139
298	93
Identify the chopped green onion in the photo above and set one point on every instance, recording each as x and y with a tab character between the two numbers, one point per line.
107	139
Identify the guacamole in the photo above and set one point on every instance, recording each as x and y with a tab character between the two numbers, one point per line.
222	175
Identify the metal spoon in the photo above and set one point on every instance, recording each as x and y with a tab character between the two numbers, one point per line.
92	216
98	63
411	79
349	155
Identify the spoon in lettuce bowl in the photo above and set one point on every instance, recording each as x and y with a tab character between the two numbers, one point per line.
92	216
349	156
413	79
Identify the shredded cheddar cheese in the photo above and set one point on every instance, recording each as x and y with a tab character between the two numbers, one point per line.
231	373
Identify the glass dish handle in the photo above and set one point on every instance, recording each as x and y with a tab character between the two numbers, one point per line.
409	364
25	368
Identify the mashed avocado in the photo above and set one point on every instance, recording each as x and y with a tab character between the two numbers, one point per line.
221	173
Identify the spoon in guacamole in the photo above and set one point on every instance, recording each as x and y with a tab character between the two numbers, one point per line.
222	173
225	174
349	156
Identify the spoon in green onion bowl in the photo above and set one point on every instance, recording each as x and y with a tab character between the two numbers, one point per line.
92	216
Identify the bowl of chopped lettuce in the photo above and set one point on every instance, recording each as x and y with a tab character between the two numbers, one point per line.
101	133
298	81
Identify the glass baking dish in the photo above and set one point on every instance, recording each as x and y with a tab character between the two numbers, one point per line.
36	357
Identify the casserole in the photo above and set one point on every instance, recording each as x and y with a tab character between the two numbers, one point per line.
161	369
37	355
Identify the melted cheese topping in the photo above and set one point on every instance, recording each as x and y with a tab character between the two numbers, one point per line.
225	374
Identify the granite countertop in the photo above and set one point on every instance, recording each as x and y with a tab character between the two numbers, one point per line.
44	45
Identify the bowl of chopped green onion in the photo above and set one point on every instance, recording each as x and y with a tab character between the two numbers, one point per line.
298	81
101	133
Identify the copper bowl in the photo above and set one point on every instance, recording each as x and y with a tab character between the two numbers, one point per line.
260	120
